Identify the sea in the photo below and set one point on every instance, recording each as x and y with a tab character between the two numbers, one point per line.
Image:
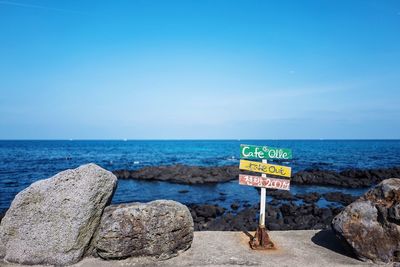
23	162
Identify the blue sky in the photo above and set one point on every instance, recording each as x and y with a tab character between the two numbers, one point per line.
199	69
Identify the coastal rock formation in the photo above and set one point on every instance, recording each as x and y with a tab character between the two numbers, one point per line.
279	194
205	211
371	224
339	197
352	178
182	174
310	197
53	220
160	229
288	216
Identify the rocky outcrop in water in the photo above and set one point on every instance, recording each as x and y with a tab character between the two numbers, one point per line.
353	178
310	197
339	197
158	229
284	212
182	174
53	220
371	225
287	216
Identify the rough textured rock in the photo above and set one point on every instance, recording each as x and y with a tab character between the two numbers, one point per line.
53	220
279	194
182	174
310	197
161	229
288	216
354	178
339	197
371	224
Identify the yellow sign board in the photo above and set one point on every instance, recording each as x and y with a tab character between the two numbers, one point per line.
265	168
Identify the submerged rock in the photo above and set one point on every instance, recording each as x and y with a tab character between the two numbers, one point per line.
280	194
370	226
339	197
310	197
53	220
160	229
234	206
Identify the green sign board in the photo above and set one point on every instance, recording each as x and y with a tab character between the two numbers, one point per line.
264	152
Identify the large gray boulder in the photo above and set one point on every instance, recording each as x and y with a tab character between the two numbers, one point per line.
370	226
53	220
159	229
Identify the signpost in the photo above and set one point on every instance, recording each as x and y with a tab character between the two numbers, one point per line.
267	182
264	152
261	239
265	168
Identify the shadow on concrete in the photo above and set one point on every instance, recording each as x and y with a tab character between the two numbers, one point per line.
328	240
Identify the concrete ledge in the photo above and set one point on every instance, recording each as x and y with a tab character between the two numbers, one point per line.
294	248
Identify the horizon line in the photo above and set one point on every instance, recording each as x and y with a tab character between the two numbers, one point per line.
205	139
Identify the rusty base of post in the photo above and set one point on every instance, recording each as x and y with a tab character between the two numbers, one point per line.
261	240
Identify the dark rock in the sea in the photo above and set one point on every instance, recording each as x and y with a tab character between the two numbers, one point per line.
288	209
305	217
204	213
183	191
339	197
274	202
282	213
53	220
182	174
353	178
281	194
234	206
288	216
310	197
245	219
370	225
159	229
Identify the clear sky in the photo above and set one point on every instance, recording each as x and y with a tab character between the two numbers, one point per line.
199	69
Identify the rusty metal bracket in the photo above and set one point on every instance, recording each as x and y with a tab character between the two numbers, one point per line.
261	240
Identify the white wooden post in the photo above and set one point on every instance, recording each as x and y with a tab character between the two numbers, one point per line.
263	200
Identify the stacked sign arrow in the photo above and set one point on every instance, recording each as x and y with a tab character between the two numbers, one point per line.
265	153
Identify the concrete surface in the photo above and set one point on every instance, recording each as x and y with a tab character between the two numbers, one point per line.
294	248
